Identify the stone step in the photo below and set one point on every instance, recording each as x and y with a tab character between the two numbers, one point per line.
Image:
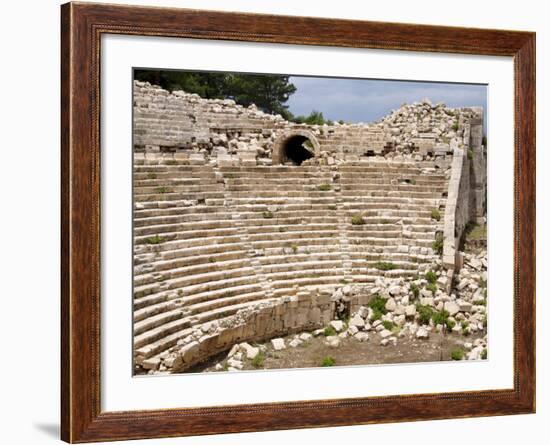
220	257
200	188
232	268
170	196
197	284
154	342
175	219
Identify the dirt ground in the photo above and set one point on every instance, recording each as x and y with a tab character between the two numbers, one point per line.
314	352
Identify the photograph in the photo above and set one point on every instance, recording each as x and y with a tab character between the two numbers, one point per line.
284	221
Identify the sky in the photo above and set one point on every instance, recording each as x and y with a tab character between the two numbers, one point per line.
365	100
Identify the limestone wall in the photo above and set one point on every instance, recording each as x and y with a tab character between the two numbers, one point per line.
184	124
466	199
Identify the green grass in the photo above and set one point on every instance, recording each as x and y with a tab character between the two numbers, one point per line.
258	361
440	317
151	176
431	277
455	126
378	306
389	325
383	265
432	287
436	214
170	162
324	187
162	190
457	354
357	220
329	331
154	239
328	361
450	324
480	302
425	313
437	245
476	232
484	354
415	290
267	215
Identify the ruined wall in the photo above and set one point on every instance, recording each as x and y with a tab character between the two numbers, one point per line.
466	200
220	131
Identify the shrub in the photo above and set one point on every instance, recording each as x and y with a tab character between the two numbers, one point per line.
484	354
432	287
450	324
440	317
389	325
437	245
258	361
383	265
425	313
154	239
457	354
470	154
455	126
324	187
328	361
415	290
431	277
162	189
357	220
436	214
329	331
267	215
294	248
378	306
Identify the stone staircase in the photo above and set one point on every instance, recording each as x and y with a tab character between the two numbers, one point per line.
209	242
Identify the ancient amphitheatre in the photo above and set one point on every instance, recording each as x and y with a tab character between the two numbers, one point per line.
253	234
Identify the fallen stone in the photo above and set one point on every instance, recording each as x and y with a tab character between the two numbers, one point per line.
451	307
422	333
278	344
410	310
385	333
361	336
250	351
391	305
235	363
357	322
338	325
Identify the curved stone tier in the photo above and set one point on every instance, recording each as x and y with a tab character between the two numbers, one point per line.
227	254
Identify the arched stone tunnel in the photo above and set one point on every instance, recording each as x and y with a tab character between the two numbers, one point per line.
295	147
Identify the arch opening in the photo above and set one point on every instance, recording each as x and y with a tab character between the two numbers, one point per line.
297	149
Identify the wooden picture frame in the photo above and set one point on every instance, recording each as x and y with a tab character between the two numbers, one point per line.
82	26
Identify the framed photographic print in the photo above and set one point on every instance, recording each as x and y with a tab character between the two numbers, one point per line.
276	222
